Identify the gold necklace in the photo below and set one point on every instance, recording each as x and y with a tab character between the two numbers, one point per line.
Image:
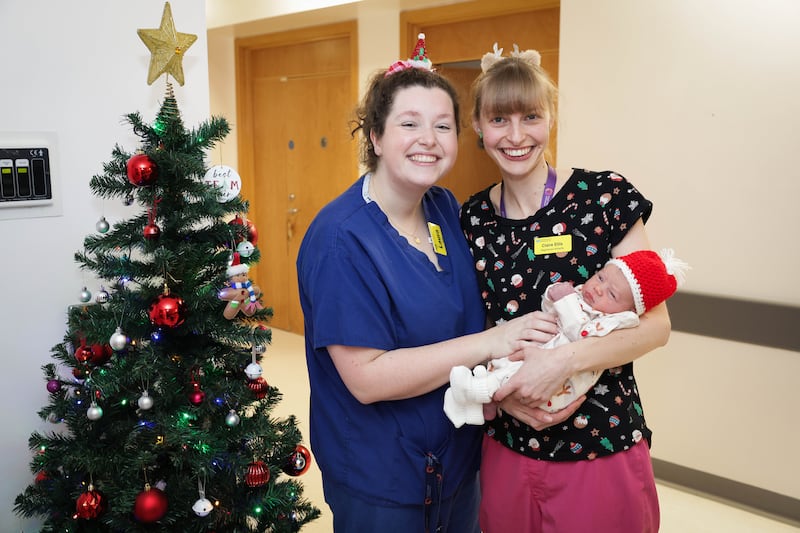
417	240
411	234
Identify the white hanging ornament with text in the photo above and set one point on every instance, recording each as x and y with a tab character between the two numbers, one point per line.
226	179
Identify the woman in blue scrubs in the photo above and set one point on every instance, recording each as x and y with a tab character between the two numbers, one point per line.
391	304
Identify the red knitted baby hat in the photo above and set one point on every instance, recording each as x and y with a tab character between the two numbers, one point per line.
653	277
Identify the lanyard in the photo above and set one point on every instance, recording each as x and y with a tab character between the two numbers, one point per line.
549	187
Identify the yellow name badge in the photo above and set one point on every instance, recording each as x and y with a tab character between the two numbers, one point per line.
437	239
552	245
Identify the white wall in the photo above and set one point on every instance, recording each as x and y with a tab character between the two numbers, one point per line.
697	103
72	68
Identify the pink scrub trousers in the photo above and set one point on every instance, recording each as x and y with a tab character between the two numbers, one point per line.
612	494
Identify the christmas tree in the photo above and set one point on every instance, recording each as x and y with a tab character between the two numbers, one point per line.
162	417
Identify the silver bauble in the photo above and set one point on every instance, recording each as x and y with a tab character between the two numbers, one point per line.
118	340
145	401
232	419
253	371
102	296
95	412
102	225
85	295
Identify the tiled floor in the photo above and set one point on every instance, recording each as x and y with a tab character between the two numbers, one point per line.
681	511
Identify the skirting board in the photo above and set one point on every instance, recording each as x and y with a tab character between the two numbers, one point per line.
768	503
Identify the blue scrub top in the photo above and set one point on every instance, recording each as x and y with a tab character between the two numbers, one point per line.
362	284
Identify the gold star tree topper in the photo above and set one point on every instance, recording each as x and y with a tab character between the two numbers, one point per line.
167	47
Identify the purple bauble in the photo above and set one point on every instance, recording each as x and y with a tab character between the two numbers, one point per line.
53	386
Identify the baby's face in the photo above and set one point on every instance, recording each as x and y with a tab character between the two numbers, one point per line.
608	291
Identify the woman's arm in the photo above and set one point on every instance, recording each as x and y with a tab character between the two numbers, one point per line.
376	375
544	371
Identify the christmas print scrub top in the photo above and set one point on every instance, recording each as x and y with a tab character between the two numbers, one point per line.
592	212
362	284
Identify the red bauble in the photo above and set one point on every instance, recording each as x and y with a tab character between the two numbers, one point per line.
90	504
168	311
150	505
142	170
197	396
152	232
101	354
252	232
259	386
41	477
96	354
298	461
257	474
83	353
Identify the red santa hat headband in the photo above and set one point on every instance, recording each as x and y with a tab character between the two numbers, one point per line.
418	60
653	277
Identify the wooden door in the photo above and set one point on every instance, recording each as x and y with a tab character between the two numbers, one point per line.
456	37
299	153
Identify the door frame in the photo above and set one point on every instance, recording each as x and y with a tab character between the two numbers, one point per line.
245	48
412	22
244	106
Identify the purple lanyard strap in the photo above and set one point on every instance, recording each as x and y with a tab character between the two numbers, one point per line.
549	187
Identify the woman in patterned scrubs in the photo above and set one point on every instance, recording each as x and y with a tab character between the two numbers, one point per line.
539	225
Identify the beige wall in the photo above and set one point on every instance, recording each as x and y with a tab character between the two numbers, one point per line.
696	103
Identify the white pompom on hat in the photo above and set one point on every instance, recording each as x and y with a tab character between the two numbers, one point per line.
237	267
653	277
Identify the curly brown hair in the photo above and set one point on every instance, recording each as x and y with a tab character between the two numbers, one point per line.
374	109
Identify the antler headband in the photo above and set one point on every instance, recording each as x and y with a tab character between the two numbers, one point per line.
532	57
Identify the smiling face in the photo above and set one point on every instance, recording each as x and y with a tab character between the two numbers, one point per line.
515	141
419	143
608	291
514	110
